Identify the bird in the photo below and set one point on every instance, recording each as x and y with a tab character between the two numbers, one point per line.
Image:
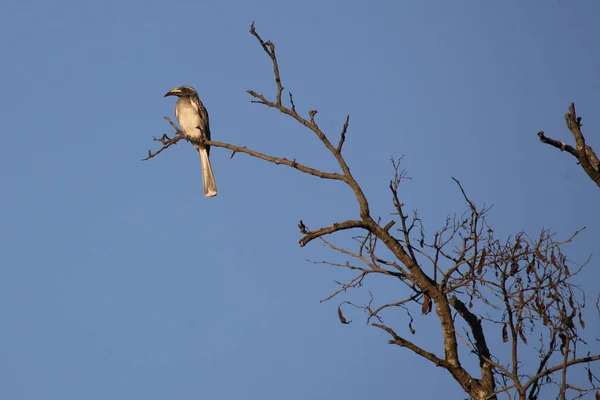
193	119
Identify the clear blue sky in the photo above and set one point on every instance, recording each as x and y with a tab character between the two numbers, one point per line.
119	280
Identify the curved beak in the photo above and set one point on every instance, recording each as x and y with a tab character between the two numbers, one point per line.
173	92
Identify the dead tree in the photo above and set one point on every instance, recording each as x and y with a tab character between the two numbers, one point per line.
582	152
520	289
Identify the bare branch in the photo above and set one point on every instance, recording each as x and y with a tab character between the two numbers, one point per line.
480	343
338	226
400	341
269	48
275	160
343	135
166	141
471	204
559	367
585	154
292	102
562	146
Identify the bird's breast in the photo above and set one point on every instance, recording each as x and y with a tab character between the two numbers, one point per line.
188	119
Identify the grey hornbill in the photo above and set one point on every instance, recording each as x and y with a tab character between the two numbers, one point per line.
193	119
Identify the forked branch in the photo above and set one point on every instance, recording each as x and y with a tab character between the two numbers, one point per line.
582	152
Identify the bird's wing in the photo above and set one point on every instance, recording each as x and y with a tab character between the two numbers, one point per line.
201	110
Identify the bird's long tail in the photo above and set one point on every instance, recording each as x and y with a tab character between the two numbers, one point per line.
210	186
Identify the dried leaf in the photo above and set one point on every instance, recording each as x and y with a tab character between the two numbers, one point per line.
426	308
590	375
573	313
569	322
481	262
531	267
518	245
522	335
514	268
410	327
581	322
521	297
597	395
541	257
563	342
567	272
341	316
553	259
571	303
505	333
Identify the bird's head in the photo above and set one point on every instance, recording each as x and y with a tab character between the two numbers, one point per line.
182	91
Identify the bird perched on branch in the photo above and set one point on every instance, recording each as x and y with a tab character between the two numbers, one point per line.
193	119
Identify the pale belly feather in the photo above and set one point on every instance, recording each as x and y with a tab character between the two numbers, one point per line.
189	120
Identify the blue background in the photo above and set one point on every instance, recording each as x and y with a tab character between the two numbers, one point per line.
119	280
